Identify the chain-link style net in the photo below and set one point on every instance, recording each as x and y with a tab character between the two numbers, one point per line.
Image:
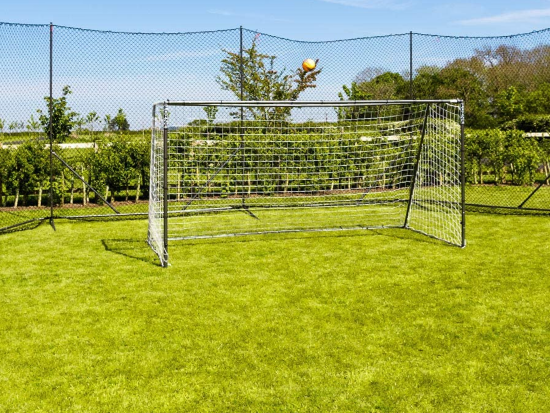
505	83
24	161
104	84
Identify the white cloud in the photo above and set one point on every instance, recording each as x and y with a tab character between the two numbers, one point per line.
520	16
372	4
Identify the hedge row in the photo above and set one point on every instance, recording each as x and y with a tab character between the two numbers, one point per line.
505	157
301	161
289	163
119	168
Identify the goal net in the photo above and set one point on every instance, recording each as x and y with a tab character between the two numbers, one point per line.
237	168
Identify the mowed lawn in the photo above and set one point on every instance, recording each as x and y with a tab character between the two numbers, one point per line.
374	321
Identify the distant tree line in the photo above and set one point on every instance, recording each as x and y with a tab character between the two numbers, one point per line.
498	84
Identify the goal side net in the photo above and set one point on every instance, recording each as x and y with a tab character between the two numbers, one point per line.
223	169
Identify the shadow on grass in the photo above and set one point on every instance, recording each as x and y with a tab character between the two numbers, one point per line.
395	233
24	226
488	210
140	250
131	248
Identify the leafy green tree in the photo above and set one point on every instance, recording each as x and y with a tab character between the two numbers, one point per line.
91	119
6	159
113	165
426	82
538	101
458	81
477	150
33	124
354	92
262	81
509	104
79	122
63	118
523	155
28	170
211	112
139	153
107	120
119	122
387	85
382	86
16	125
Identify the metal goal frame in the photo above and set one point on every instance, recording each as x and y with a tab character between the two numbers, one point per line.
160	214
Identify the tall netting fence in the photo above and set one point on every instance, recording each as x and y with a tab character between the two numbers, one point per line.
103	84
505	83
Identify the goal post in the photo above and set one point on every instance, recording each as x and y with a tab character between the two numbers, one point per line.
228	168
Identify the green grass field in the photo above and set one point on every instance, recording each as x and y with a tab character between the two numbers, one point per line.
375	321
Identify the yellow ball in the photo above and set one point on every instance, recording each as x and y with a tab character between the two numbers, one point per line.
308	65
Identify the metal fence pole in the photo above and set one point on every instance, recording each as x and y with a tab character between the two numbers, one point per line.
411	93
50	127
165	186
462	174
241	131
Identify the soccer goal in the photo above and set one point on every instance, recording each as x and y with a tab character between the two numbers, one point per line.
222	169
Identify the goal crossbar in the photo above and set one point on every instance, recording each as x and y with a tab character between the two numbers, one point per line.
298	104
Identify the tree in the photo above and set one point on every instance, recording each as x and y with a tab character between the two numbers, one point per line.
79	122
16	125
523	156
261	81
385	86
91	119
426	82
114	166
457	80
374	85
140	153
33	124
352	93
6	159
509	104
63	118
538	101
107	120
211	112
119	122
27	171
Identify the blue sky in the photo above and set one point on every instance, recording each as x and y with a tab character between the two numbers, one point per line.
295	19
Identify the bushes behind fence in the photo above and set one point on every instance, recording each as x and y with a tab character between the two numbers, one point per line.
117	166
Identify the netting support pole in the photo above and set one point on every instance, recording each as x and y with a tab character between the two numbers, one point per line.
411	93
463	175
416	164
165	188
241	131
544	181
50	126
77	175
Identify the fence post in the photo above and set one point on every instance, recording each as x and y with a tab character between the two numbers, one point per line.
165	186
462	174
241	132
50	126
411	93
